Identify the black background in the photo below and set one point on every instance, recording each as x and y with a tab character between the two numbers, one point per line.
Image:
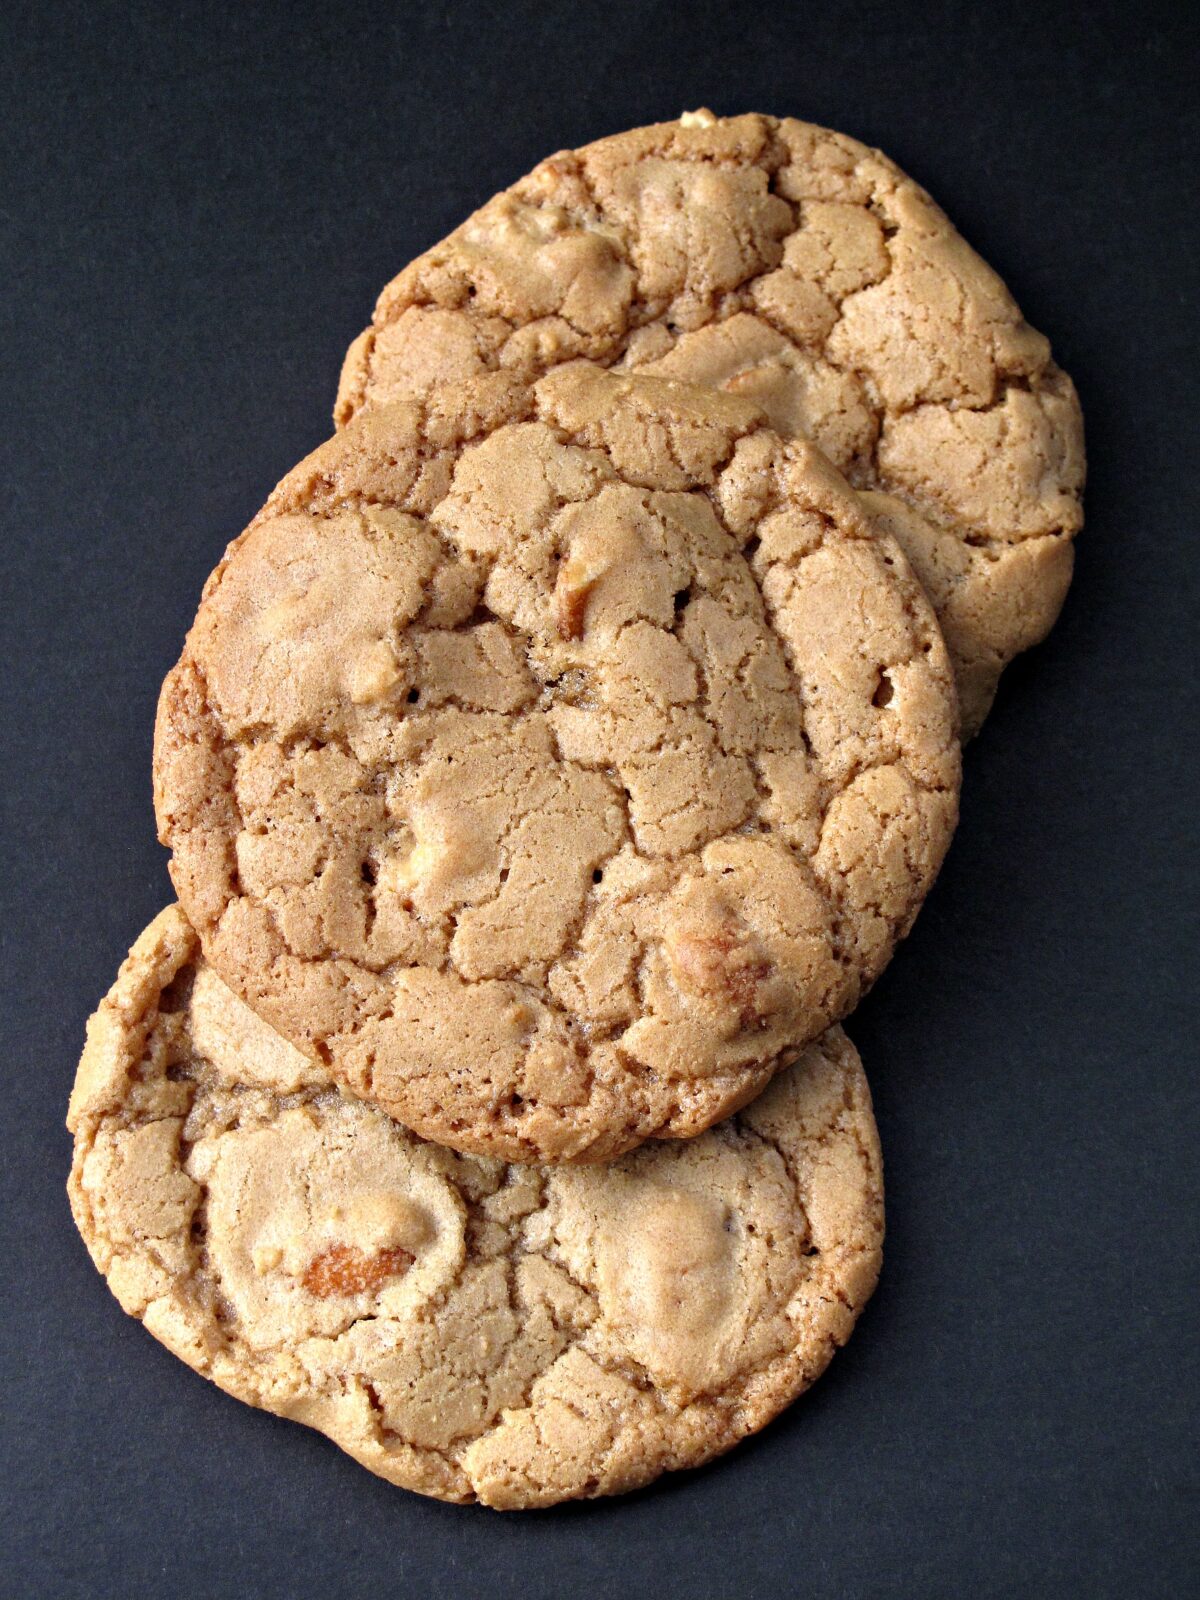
199	206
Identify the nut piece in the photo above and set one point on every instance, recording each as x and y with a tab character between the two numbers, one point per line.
726	965
577	577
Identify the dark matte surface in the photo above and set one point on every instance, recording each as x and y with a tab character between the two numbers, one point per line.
198	212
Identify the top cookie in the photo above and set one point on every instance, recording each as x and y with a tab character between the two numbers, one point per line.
555	763
799	268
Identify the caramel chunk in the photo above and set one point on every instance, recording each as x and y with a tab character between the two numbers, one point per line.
341	1269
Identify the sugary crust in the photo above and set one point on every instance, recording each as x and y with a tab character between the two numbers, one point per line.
512	1335
801	269
552	764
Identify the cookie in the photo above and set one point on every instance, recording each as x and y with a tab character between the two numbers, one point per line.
553	764
796	267
474	1331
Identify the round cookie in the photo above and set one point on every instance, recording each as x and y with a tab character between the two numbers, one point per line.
792	265
554	780
470	1330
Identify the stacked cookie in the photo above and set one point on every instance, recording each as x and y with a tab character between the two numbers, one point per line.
553	763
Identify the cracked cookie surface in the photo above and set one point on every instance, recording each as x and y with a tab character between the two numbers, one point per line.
475	1331
799	268
552	778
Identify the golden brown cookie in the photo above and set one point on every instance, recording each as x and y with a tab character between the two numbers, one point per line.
803	270
554	780
474	1331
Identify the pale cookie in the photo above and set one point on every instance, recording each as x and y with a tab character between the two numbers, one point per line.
799	268
554	787
474	1331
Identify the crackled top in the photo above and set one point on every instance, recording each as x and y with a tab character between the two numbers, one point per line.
794	266
553	779
471	1330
